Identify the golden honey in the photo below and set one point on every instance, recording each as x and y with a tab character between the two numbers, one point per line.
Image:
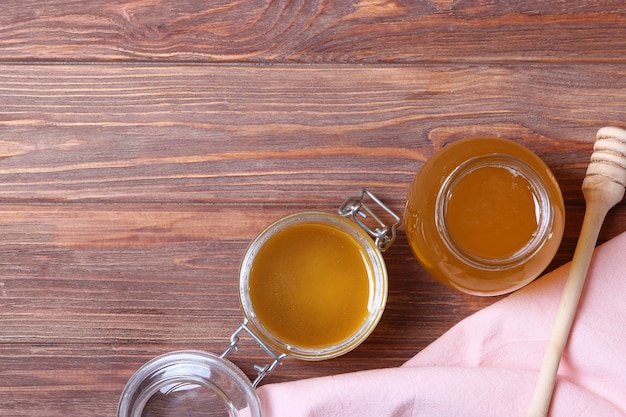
309	285
313	285
492	212
485	216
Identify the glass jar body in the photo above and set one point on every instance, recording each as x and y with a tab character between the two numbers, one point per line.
484	216
300	293
189	383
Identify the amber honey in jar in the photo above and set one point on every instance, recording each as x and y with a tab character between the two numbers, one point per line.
485	216
312	285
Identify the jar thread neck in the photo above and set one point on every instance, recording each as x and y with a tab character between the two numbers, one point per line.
542	211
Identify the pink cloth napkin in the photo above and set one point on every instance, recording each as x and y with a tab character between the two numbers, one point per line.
487	365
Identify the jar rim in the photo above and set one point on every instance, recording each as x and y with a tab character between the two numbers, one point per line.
543	210
377	277
185	371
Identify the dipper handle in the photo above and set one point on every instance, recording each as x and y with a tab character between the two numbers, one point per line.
603	187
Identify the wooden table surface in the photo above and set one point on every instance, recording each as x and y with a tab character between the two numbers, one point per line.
143	144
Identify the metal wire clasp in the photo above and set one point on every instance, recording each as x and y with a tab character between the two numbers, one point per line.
355	207
261	370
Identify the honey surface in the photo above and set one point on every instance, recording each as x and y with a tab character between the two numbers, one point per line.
309	285
492	212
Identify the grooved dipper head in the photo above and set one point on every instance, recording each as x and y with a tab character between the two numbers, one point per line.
609	155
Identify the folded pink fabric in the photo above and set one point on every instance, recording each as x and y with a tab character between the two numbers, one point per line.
487	365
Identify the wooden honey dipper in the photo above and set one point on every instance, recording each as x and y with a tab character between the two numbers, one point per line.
603	187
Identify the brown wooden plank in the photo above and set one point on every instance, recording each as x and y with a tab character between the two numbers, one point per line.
390	31
212	135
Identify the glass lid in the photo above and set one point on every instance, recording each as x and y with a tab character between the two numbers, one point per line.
189	383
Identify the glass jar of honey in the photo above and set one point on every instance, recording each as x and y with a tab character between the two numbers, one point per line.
484	216
312	286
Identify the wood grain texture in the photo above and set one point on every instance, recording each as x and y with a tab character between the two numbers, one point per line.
346	31
211	135
143	144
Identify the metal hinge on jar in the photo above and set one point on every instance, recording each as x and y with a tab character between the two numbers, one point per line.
261	370
357	208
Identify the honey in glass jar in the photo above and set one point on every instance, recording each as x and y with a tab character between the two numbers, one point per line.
312	285
485	216
309	285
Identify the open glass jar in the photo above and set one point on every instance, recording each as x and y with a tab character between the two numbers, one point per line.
485	216
313	286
